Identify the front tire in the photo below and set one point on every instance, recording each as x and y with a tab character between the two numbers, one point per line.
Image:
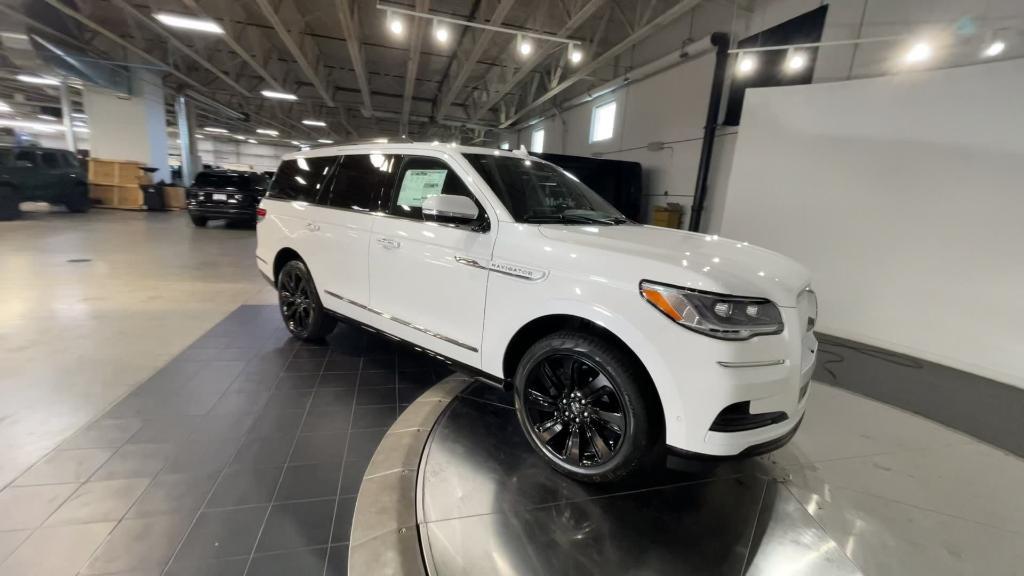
198	221
587	407
300	305
9	203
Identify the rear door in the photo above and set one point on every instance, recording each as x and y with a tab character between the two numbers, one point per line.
345	220
291	207
429	279
53	177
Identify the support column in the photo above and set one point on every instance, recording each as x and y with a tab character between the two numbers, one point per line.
190	161
65	114
130	126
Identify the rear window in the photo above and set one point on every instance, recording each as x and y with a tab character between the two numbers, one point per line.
301	178
222	181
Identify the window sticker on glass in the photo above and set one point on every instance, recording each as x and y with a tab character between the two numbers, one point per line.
418	185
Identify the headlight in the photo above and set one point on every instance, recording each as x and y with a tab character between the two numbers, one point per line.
715	315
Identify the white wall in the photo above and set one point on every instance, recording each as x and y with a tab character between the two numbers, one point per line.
903	195
222	152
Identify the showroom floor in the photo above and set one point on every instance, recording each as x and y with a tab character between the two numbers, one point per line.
132	437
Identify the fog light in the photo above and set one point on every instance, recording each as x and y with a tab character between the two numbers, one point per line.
752	311
723	309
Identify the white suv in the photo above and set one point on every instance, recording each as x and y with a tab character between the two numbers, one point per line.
618	339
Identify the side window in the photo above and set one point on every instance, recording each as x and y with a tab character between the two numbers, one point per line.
70	160
50	160
27	156
301	178
359	181
6	157
421	177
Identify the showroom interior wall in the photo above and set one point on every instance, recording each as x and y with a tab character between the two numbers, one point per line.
903	195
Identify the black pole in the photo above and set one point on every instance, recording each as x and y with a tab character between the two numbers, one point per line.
720	40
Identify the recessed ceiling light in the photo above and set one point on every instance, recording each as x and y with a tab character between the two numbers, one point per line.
267	131
575	55
218	130
200	136
441	32
45	117
278	95
995	48
32	79
314	123
296	143
395	24
78	115
252	141
239	137
326	141
525	46
79	123
188	22
796	61
919	52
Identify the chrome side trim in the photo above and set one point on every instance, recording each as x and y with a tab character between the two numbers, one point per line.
755	364
513	270
403	322
470	262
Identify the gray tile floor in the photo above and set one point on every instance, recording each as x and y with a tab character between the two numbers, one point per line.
243	455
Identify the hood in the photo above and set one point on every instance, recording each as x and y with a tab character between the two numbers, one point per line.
693	260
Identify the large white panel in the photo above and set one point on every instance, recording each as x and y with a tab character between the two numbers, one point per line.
903	195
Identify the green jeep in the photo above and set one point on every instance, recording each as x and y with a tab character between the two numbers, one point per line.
33	174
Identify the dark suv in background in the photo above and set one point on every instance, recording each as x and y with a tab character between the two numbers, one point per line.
225	195
33	174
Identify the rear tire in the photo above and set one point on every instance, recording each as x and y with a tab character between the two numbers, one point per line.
300	305
199	221
9	209
78	200
587	407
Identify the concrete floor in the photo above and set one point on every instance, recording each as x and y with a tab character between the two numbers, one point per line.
77	336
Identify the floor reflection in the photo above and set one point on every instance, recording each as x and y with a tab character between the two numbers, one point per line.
491	506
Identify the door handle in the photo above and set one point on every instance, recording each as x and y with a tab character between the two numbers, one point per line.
388	243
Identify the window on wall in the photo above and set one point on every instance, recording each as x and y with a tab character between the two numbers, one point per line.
506	145
537	140
602	122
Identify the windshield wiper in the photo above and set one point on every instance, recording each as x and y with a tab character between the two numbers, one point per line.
575	218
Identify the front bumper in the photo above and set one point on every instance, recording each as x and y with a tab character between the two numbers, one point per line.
771	373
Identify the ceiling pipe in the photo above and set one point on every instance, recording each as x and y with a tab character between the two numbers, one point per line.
721	43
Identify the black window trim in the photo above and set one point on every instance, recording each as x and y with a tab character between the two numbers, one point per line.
388	203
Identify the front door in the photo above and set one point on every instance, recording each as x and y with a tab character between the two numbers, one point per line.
428	280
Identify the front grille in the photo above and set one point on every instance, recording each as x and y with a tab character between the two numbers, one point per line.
737	418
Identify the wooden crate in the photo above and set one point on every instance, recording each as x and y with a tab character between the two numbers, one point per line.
123	197
669	216
174	198
115	172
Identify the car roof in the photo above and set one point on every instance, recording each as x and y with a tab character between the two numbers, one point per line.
224	172
401	147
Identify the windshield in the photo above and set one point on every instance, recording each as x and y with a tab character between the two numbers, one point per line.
536	191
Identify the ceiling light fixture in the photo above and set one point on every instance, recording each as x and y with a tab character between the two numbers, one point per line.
78	115
239	137
746	64
5	107
441	31
46	117
795	60
314	123
296	143
218	130
278	95
575	54
79	123
188	22
523	45
267	131
994	49
919	53
32	79
200	136
252	141
394	24
326	141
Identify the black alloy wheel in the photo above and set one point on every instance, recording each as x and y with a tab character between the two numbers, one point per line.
78	200
300	305
573	410
587	407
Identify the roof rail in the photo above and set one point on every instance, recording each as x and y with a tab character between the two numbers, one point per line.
388	140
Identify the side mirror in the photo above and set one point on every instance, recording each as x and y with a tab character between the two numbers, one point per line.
450	208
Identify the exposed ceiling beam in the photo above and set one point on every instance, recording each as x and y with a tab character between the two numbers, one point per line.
586	12
242	52
159	29
124	43
412	65
355	51
7	10
642	33
293	47
466	67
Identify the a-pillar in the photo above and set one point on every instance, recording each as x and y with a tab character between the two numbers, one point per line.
130	126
